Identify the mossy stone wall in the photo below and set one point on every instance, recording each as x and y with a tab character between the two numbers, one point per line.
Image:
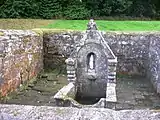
21	58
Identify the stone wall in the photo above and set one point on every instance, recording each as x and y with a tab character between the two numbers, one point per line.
58	46
20	58
131	49
21	54
138	53
154	61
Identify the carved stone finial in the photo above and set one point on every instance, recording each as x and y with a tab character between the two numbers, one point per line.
70	61
91	25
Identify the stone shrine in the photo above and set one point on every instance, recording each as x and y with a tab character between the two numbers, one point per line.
91	67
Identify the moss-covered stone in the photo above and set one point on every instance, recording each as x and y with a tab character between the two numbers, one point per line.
19	51
38	31
43	31
1	34
36	56
51	77
19	46
26	40
25	84
39	87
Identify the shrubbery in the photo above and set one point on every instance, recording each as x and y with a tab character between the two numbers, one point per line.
19	9
50	9
76	9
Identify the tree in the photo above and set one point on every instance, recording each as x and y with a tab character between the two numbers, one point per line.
78	9
93	7
2	2
50	9
74	9
142	8
19	9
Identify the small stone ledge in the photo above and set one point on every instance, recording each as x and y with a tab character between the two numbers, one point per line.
133	32
17	32
50	31
54	31
65	91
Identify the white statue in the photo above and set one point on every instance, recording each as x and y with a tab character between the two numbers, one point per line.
91	62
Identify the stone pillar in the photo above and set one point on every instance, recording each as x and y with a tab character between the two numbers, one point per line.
111	97
112	64
71	74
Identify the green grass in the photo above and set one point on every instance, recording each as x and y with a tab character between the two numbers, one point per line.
107	25
23	24
79	24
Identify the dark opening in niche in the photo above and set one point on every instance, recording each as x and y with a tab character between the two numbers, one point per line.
86	100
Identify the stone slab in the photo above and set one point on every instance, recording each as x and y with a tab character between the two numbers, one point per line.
23	112
62	93
111	92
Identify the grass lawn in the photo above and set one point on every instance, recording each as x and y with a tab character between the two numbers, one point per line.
80	24
107	25
23	23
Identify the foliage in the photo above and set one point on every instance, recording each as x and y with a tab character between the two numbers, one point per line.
142	8
114	7
19	9
50	9
78	9
74	11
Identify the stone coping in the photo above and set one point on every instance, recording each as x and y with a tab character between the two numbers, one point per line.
42	31
112	32
24	112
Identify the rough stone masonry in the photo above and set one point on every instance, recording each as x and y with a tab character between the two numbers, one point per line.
21	54
21	58
22	112
138	52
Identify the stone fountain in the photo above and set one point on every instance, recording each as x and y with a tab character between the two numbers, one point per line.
91	72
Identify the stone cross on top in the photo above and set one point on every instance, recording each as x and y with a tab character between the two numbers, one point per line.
91	25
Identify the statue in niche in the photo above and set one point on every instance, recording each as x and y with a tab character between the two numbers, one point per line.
91	25
91	74
91	61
